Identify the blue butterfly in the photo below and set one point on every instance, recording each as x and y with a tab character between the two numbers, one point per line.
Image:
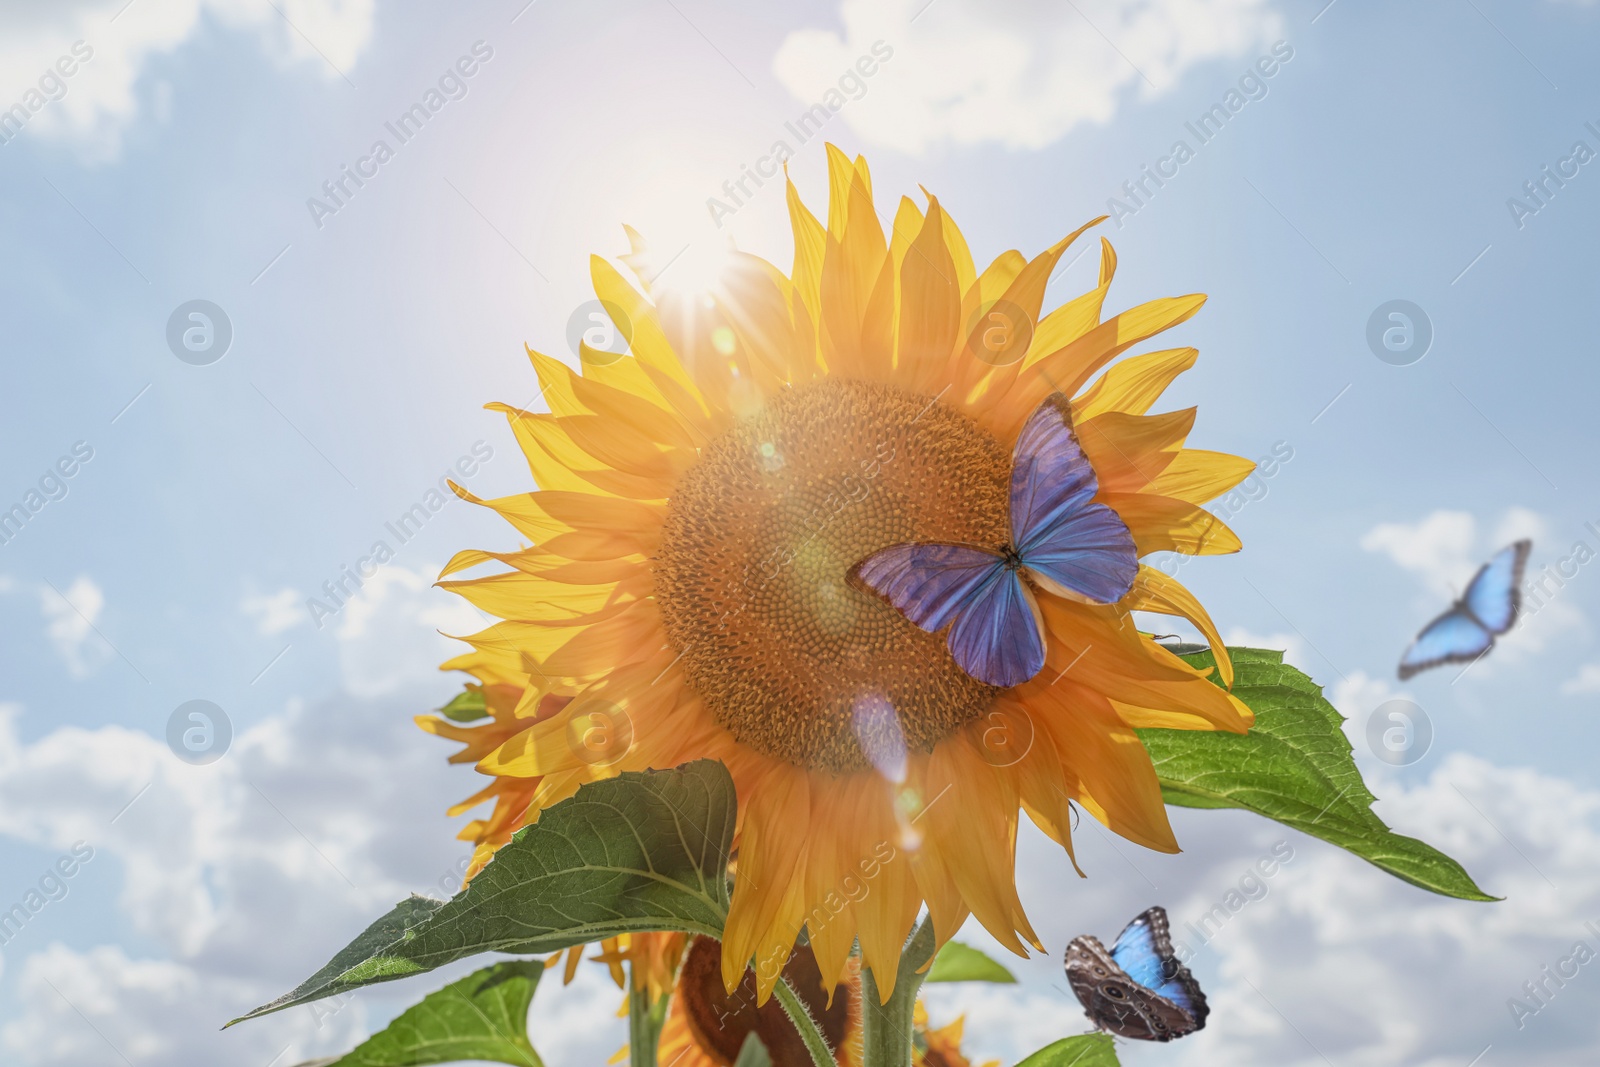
1139	989
1066	544
1469	628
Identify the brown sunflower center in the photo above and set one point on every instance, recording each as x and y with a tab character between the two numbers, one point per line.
752	577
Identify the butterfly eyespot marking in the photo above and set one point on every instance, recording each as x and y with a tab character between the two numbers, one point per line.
1114	992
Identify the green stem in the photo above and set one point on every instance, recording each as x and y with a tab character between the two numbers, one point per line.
816	1044
644	1020
886	1027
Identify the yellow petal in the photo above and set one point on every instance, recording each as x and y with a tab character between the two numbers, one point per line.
531	598
1066	369
1116	782
627	408
1100	648
556	461
855	338
647	342
830	924
1129	452
881	886
1134	384
1155	591
1162	524
841	174
810	245
971	822
606	526
772	846
905	228
1197	476
930	304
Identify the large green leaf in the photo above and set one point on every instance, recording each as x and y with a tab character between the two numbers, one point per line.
484	1016
643	851
1296	766
963	963
1085	1050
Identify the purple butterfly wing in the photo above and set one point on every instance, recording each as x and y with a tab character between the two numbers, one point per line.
1067	540
997	638
929	582
994	637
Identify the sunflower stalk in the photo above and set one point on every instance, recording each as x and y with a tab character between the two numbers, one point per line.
800	1015
886	1027
645	1018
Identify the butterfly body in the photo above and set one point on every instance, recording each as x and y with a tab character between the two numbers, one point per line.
1485	611
1137	989
1061	541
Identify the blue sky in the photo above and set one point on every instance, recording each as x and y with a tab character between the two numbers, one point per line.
1374	164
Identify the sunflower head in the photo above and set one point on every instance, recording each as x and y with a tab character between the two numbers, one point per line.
707	1024
790	656
687	587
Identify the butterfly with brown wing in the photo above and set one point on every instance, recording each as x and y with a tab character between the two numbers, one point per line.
1138	989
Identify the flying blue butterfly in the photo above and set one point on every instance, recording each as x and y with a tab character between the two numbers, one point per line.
1066	543
1139	989
1486	610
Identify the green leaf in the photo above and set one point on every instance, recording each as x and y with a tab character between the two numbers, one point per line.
468	706
962	963
1295	766
1085	1050
753	1053
643	851
484	1016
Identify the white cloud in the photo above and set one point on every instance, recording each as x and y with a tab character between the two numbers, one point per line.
1519	523
1587	680
1356	694
69	623
390	633
234	880
1370	970
91	107
1019	73
309	824
1362	967
231	881
103	1007
276	612
576	1025
1439	548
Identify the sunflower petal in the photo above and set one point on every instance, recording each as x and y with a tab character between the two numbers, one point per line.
1197	476
1117	783
1066	369
1162	524
1155	591
1134	384
1129	452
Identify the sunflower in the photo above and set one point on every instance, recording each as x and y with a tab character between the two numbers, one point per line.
701	502
941	1047
707	1024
